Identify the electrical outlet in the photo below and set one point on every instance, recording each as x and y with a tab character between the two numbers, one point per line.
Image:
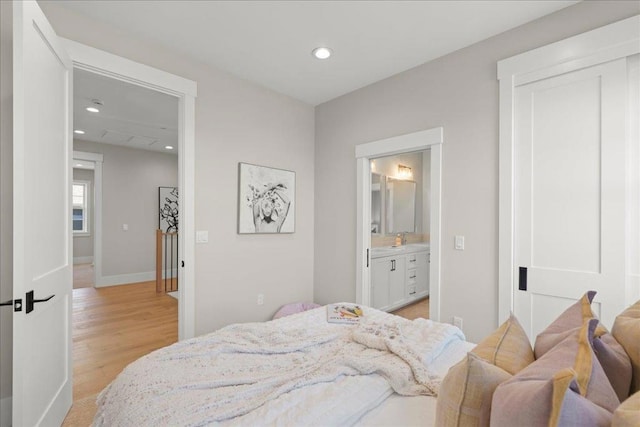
457	321
260	299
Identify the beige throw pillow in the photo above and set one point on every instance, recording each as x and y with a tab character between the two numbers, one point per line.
628	414
507	347
464	399
626	330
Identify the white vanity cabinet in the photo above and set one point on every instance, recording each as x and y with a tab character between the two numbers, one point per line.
388	278
417	275
399	279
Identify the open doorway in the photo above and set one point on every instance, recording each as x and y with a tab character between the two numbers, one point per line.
391	240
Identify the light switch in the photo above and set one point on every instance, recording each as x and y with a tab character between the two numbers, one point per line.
459	243
202	236
125	227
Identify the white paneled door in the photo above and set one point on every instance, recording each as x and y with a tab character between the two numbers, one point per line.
42	73
569	162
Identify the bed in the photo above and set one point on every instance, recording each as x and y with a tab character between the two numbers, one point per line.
296	370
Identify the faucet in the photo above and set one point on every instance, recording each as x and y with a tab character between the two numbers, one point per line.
404	237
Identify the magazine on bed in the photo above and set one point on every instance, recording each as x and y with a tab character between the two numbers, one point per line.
344	313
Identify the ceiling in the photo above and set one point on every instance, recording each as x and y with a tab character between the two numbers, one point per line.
130	115
270	42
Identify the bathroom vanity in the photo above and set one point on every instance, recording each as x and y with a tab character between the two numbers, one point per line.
399	275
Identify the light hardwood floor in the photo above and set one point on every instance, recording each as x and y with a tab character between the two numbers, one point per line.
415	310
112	327
82	276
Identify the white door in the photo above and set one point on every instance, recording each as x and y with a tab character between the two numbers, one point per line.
42	147
570	194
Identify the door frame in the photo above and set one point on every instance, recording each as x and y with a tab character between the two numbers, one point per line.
604	44
431	139
109	65
96	159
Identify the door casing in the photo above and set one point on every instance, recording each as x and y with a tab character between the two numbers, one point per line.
431	139
106	64
617	40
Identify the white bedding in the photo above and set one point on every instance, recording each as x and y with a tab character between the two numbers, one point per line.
297	370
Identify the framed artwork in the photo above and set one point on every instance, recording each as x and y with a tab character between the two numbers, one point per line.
168	209
266	199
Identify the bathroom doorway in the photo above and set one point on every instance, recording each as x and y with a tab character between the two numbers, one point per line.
376	230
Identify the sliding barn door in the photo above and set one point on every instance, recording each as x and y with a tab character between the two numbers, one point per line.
570	194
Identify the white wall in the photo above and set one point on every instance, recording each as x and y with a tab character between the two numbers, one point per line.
6	209
236	121
460	93
83	244
130	181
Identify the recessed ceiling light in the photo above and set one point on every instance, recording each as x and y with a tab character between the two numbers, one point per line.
79	132
321	52
168	147
92	109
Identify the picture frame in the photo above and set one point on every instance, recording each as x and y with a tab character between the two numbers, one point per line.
266	200
168	209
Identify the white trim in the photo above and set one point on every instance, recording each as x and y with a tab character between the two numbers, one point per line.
106	64
117	67
620	37
417	141
126	279
603	44
82	260
97	159
5	411
406	143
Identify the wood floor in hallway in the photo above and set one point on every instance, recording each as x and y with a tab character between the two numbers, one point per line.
415	310
112	327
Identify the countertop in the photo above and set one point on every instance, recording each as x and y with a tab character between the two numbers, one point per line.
383	251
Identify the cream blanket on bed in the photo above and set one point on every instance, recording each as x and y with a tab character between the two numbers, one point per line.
240	368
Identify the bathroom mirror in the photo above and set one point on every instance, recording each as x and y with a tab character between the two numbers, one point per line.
376	203
400	206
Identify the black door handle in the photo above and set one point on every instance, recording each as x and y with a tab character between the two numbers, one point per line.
30	301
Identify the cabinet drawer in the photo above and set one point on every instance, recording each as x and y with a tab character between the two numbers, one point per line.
412	261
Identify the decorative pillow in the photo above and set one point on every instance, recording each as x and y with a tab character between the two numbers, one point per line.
565	387
628	414
626	330
572	318
289	309
465	395
615	362
610	353
507	348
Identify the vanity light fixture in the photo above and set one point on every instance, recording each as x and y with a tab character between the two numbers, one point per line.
168	147
79	132
404	172
321	52
373	165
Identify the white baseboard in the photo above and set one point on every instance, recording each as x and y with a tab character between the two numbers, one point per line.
82	260
125	279
5	412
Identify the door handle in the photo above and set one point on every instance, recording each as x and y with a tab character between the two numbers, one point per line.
522	282
30	301
17	304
